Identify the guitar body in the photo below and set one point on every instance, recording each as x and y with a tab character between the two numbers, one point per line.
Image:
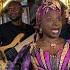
3	62
18	46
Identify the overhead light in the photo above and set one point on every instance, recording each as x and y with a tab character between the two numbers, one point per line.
66	2
3	4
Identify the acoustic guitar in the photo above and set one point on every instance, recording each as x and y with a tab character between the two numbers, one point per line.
18	46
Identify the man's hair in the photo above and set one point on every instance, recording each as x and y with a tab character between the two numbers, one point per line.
14	2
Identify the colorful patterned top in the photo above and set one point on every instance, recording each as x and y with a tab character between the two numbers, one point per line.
42	60
38	59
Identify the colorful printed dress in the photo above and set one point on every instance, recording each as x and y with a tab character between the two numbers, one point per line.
42	60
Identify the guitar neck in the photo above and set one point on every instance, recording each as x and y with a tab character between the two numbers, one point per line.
25	42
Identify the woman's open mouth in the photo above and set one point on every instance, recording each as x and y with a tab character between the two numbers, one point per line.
55	30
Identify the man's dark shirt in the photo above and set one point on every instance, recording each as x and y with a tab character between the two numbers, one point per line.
9	31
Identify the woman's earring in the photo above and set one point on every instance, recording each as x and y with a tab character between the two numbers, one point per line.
40	33
40	30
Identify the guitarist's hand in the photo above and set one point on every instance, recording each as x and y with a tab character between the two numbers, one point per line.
11	53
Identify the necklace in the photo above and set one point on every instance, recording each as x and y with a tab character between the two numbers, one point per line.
52	45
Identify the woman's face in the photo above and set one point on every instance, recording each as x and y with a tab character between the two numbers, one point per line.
51	25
